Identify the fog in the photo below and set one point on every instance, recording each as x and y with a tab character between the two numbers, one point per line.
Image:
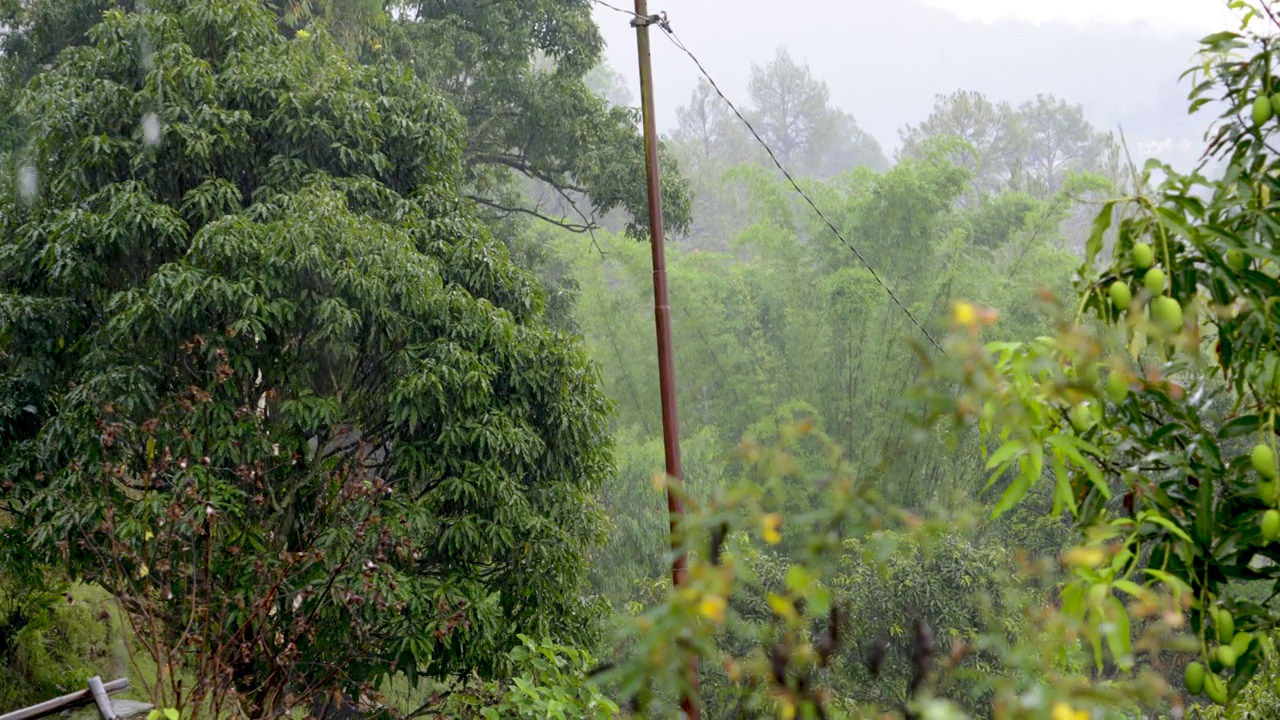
885	60
342	338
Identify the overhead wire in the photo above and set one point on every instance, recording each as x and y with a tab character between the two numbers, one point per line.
617	9
665	25
675	40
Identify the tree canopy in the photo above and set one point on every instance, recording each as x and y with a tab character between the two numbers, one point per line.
295	382
540	121
1032	148
246	311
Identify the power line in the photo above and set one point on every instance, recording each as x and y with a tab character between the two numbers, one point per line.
662	22
675	40
615	8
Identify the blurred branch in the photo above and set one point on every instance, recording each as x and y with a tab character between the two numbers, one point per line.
571	226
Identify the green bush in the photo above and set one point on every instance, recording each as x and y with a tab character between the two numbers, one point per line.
550	681
50	643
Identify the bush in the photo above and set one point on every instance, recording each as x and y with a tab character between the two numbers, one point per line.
549	681
50	643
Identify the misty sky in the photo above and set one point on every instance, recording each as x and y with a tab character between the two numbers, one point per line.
1197	15
885	60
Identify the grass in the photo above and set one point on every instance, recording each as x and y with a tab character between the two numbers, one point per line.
50	644
84	634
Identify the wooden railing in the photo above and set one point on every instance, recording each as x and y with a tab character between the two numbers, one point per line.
96	693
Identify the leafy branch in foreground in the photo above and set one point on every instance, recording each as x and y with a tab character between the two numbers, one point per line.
789	660
1152	411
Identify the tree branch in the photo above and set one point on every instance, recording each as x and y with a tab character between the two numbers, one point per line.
564	194
571	226
519	164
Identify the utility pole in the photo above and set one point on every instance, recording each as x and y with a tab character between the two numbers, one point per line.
662	320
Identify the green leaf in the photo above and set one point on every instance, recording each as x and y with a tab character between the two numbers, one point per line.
1171	220
1166	523
1204	513
1101	223
1178	585
1063	497
1120	635
1219	38
1128	586
1013	495
798	579
1006	453
1240	427
1070	445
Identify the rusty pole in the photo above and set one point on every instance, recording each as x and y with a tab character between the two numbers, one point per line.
662	317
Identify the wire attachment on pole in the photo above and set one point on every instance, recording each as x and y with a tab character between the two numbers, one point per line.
659	19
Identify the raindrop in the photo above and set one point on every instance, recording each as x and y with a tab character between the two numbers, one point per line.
1033	698
151	129
148	59
28	183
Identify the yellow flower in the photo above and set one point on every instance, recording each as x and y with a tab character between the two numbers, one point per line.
789	710
1063	711
304	34
1083	557
712	607
770	528
964	314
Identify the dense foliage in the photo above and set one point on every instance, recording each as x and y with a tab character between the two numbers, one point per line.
289	294
1153	414
1033	148
517	71
258	360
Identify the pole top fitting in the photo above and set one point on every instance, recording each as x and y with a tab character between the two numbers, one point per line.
659	19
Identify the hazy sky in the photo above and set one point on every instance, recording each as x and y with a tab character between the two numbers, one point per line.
1205	15
885	60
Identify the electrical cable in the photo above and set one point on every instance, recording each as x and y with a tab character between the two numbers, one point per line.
675	40
665	25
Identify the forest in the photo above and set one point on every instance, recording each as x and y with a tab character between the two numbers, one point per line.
329	387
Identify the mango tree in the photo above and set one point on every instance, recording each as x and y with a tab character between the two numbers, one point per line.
1151	412
266	377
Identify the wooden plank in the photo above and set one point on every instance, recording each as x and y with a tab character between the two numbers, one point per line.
100	698
131	708
49	707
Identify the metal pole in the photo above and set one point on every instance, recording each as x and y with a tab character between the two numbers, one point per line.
662	317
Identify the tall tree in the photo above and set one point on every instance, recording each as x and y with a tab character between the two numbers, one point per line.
792	111
709	139
1032	148
708	130
991	134
609	84
517	72
257	354
523	117
839	144
1058	141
